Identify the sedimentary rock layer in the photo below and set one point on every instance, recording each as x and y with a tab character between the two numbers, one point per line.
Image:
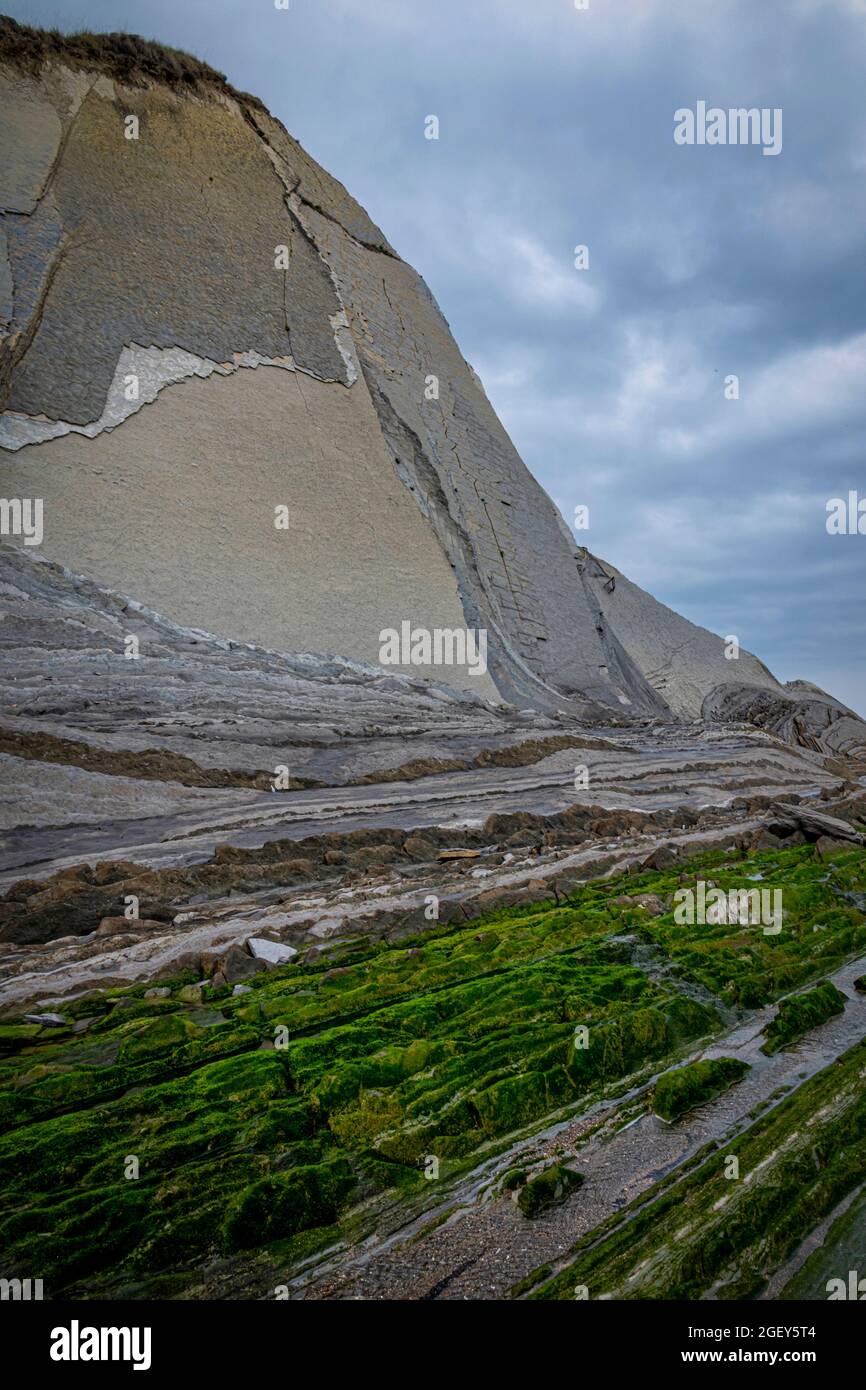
201	326
238	404
218	839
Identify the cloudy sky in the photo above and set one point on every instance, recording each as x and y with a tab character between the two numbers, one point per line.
556	130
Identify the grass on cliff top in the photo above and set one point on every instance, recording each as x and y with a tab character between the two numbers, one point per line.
127	57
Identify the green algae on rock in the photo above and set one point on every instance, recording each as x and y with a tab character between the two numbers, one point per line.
513	1179
719	1229
801	1013
454	1044
548	1189
677	1092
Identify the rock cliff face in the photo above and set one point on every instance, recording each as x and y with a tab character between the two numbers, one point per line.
239	406
201	327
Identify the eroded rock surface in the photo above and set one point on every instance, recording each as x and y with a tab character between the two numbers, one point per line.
261	346
799	712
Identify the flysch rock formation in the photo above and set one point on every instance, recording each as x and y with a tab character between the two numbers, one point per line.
692	670
221	816
218	382
297	383
200	327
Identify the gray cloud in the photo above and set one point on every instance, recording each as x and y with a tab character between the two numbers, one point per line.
557	129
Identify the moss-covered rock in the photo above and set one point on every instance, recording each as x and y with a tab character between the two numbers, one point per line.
707	1232
801	1013
548	1189
514	1178
677	1092
444	1045
280	1206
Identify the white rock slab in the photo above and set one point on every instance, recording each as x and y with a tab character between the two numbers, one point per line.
274	952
